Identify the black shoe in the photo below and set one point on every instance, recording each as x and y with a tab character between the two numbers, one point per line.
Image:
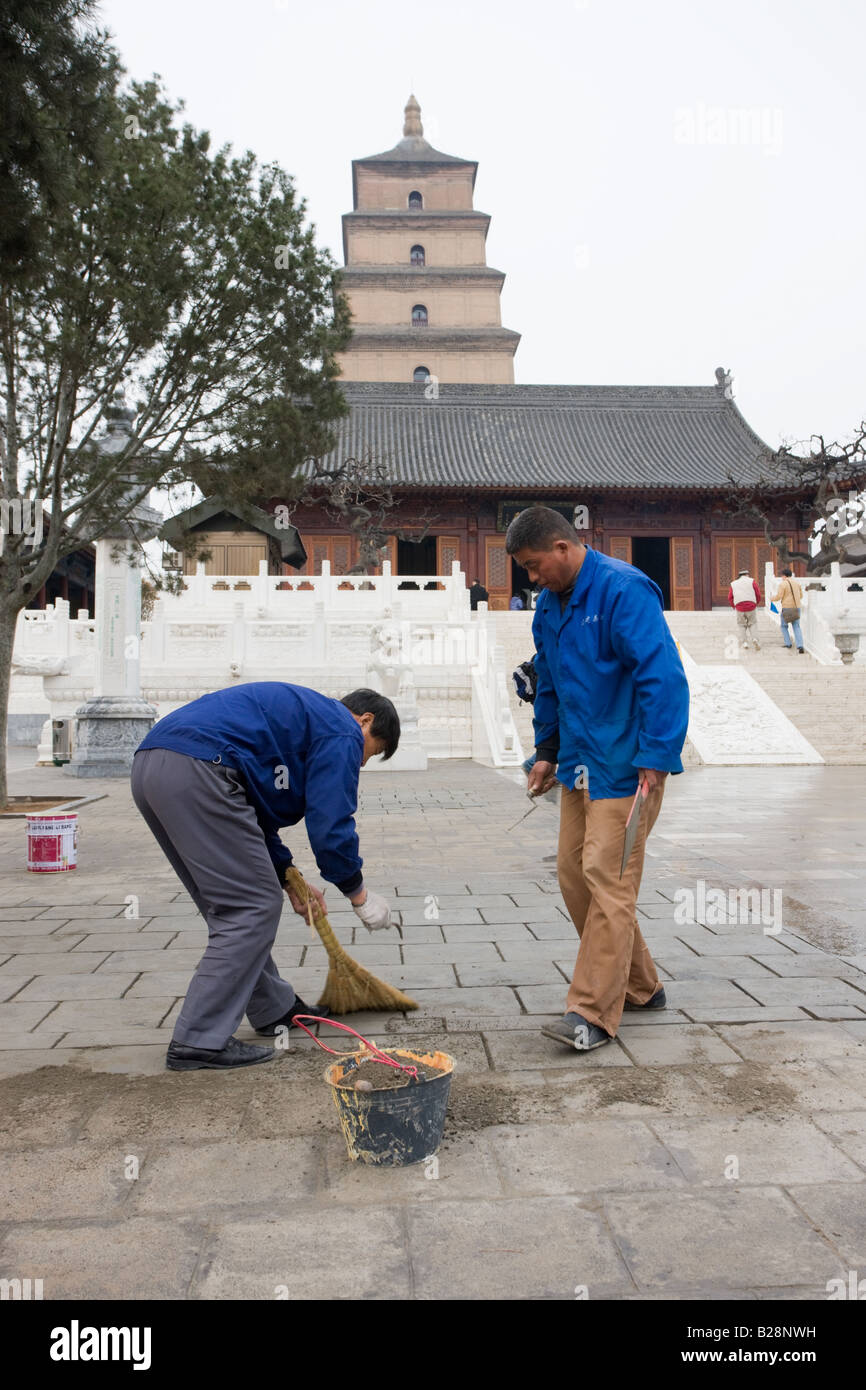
235	1054
269	1030
800	650
658	1001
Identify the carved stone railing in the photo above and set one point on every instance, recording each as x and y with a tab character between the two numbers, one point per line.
833	615
423	646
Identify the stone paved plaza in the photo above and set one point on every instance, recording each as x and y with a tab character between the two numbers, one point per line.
717	1149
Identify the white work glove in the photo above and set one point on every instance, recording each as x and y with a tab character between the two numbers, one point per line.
374	912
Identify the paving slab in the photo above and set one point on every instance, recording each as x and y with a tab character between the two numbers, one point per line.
172	921
815	963
848	1130
526	1048
80	986
612	1154
95	1262
528	948
159	959
758	1013
718	1152
731	944
80	1014
23	1041
11	927
187	1107
20	914
131	941
230	1174
802	990
687	966
545	999
463	1169
11	985
652	1018
791	1042
469	953
657	1238
525	1248
676	1047
510	932
850	1070
52	963
38	1053
454	917
36	945
151	906
688	994
839	1212
347	1253
22	1018
511	973
86	911
838	1012
471	1002
65	1182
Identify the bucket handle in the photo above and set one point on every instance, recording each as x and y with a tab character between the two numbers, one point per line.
371	1047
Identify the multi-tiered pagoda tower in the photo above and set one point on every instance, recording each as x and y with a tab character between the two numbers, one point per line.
424	300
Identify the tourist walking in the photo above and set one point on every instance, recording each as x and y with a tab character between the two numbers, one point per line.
789	596
744	595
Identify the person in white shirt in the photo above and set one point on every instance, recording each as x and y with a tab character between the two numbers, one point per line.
744	595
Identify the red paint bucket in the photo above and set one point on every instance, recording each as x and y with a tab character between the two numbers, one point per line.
52	843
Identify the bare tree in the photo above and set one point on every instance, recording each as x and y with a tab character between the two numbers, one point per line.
358	495
823	484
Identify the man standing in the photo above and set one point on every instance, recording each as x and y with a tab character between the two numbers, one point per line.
611	707
744	595
215	781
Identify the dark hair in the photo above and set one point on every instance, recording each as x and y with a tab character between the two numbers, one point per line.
537	528
386	720
787	572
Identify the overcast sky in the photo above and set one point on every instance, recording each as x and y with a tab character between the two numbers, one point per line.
674	186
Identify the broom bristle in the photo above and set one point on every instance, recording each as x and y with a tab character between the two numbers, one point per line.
349	988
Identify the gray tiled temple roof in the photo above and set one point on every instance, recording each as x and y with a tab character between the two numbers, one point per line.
551	437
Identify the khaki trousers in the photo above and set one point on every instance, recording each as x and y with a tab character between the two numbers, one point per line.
613	961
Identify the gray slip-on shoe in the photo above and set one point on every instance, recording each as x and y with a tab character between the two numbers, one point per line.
576	1031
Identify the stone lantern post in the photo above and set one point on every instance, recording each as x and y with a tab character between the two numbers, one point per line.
113	722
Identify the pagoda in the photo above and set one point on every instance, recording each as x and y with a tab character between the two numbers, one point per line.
424	301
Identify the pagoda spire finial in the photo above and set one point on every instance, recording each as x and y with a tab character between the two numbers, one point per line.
412	123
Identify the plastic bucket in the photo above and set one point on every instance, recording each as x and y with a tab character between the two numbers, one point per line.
52	843
393	1127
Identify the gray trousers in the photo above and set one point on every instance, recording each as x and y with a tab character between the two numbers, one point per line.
209	833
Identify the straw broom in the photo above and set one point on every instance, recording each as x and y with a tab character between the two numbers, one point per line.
349	987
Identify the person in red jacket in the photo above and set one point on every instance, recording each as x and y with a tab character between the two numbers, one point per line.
744	595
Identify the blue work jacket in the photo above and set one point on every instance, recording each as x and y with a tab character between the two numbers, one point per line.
299	753
612	692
